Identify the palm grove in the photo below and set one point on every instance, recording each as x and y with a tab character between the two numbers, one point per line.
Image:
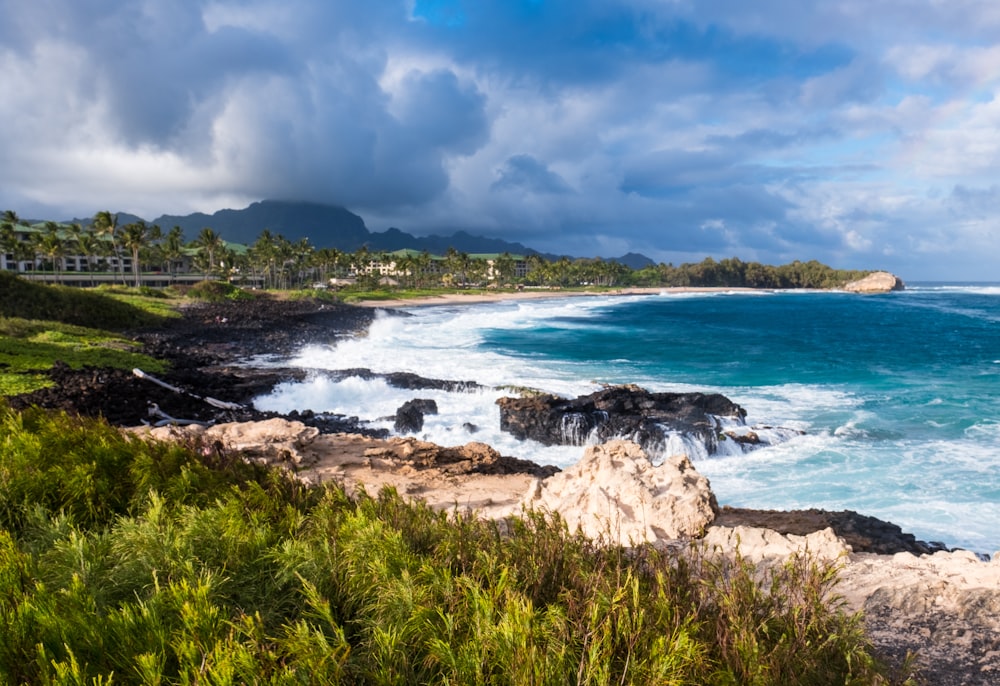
104	245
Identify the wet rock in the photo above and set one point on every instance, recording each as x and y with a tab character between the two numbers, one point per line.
405	380
628	412
410	415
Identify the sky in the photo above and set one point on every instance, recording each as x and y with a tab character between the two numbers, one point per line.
862	133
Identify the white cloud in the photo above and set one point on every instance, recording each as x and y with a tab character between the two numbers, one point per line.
851	132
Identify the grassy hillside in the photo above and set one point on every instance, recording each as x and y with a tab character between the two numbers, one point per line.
147	563
83	307
40	324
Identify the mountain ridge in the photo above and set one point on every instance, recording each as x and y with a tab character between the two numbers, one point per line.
332	226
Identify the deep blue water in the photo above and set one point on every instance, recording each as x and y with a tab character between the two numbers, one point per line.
896	393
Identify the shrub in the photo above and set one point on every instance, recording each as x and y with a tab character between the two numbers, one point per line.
217	291
143	562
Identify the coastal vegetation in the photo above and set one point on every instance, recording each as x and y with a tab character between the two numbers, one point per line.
41	325
129	561
102	248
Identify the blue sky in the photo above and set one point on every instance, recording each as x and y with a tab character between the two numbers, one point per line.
865	134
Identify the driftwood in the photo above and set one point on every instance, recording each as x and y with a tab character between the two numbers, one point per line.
167	420
221	404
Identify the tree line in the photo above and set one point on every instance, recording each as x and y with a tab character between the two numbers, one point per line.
277	263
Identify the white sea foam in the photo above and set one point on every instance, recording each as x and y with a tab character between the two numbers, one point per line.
928	468
977	289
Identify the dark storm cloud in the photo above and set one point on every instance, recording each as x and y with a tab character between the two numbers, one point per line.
525	173
773	129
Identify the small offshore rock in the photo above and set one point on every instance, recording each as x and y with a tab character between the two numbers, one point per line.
878	282
410	416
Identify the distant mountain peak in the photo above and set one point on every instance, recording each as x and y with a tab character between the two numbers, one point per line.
332	226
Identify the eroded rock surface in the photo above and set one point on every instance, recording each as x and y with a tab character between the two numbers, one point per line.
614	493
879	282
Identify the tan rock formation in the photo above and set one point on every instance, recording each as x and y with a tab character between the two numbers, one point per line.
615	494
945	606
765	545
271	440
878	282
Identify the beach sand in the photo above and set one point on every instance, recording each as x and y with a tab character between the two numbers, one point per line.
478	297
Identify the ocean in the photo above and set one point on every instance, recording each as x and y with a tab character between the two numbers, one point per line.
896	394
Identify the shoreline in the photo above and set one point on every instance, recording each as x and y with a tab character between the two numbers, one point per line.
478	297
946	605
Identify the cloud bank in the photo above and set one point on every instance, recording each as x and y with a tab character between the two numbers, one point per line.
863	134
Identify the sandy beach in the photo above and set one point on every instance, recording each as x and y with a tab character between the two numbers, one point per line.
478	297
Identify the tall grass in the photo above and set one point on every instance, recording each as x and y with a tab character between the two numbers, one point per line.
129	562
83	307
41	324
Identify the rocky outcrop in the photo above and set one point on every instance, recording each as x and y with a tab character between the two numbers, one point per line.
615	494
620	412
269	441
471	458
759	545
410	416
862	533
294	445
943	608
878	282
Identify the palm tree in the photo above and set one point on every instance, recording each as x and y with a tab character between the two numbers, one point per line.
211	243
302	256
10	217
284	254
89	246
106	224
135	237
538	268
172	249
8	240
503	268
262	254
51	246
326	259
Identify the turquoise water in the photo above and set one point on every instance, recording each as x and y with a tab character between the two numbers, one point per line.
896	393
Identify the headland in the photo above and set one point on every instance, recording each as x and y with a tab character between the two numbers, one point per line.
943	605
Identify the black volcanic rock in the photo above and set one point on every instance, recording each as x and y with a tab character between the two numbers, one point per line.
618	412
410	416
863	533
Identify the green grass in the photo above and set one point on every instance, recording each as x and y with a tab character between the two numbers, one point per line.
132	562
29	348
42	324
84	307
